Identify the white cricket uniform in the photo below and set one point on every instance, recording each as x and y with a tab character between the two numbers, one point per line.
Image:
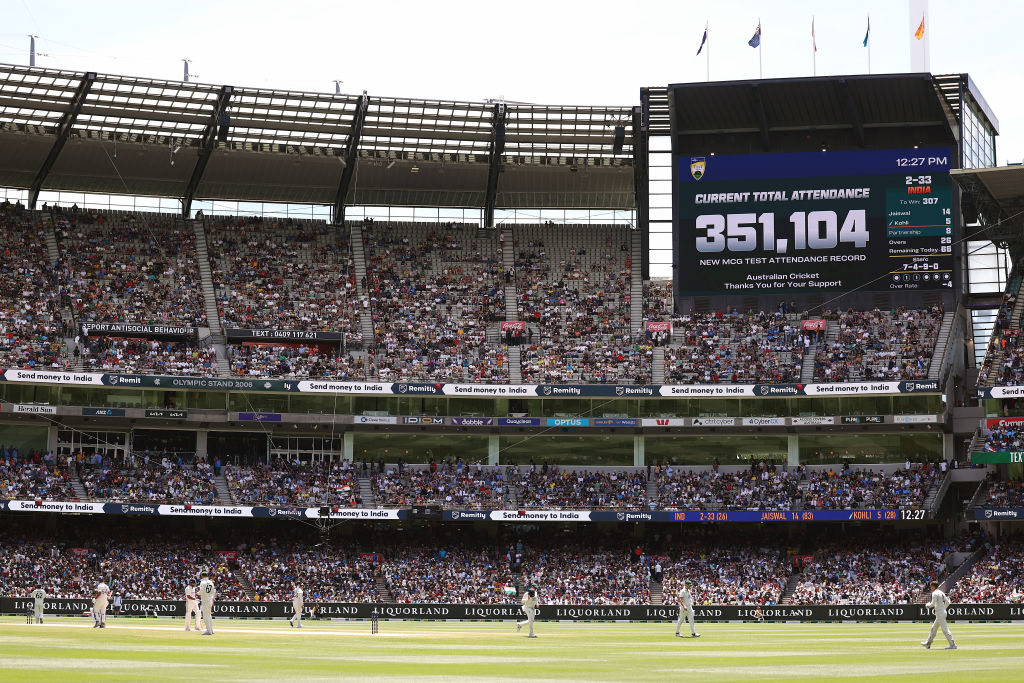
530	610
206	595
939	603
38	596
297	606
686	612
191	607
100	602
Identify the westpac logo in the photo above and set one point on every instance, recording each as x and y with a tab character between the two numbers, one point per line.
698	165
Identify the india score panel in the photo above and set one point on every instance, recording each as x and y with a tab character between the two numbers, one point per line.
814	221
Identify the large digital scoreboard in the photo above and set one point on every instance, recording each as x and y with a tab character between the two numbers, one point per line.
814	221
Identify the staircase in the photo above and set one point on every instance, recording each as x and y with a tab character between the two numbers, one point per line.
958	573
657	597
933	499
508	262
658	365
224	496
359	265
366	492
787	593
807	368
217	339
652	493
383	594
995	350
941	344
243	581
79	488
515	364
636	285
980	494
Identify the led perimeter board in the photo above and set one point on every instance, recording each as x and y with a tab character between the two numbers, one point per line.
814	221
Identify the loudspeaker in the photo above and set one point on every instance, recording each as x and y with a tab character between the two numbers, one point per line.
222	128
499	139
968	209
620	139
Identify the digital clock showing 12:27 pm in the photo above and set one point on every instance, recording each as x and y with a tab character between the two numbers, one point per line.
813	222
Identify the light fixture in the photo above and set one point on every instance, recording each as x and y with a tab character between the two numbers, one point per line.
391	163
414	169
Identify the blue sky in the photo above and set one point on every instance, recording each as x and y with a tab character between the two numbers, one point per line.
553	52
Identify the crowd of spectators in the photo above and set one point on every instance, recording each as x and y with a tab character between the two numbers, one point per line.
1005	343
1005	438
433	292
448	574
451	486
147	356
576	574
876	573
726	573
735	348
325	574
866	489
35	481
877	345
284	483
553	487
768	488
151	482
996	577
295	361
284	274
31	325
1005	494
123	267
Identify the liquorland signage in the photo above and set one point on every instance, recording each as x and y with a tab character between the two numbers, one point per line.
546	612
440	389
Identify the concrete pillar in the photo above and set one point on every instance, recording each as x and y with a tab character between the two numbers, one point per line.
948	447
793	450
638	450
493	449
348	441
51	438
201	435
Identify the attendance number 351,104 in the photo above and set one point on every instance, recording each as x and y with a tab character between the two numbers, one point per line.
810	230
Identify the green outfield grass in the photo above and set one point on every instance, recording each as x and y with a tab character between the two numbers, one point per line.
68	649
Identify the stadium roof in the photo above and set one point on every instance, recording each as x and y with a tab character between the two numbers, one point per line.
998	196
86	132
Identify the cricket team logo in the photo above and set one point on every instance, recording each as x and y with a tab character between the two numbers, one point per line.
697	167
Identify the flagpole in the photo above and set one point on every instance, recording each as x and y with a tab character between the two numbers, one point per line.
814	47
760	59
869	43
707	55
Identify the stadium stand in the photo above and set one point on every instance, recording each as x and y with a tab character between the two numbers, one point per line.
728	572
35	481
295	361
166	482
578	574
554	487
996	577
443	574
146	356
450	486
285	483
326	575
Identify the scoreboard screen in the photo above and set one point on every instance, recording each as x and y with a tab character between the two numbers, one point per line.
814	221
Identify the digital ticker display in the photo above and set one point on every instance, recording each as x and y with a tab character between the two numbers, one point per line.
814	221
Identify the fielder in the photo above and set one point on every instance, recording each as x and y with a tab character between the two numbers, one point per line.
100	600
206	595
530	610
296	619
191	606
939	603
686	610
38	596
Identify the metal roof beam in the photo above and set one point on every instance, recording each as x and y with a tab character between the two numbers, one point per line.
495	150
762	119
640	190
63	133
209	141
351	159
851	111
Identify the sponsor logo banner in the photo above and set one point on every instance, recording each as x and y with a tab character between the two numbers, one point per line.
473	421
915	419
662	422
513	326
281	335
763	421
540	515
1001	392
613	422
130	509
999	513
994	422
813	420
994	458
417	389
117	329
489	389
567	422
659	327
851	388
863	419
55	506
706	390
546	612
713	421
259	417
287	512
34	409
424	420
813	325
518	421
205	510
359	513
326	387
167	414
375	420
634	390
104	412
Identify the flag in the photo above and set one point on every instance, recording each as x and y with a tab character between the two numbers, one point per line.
814	41
755	40
703	40
867	33
919	33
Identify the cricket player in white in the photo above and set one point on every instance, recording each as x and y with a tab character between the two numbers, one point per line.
100	600
939	603
296	619
206	595
38	596
191	606
530	610
686	610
